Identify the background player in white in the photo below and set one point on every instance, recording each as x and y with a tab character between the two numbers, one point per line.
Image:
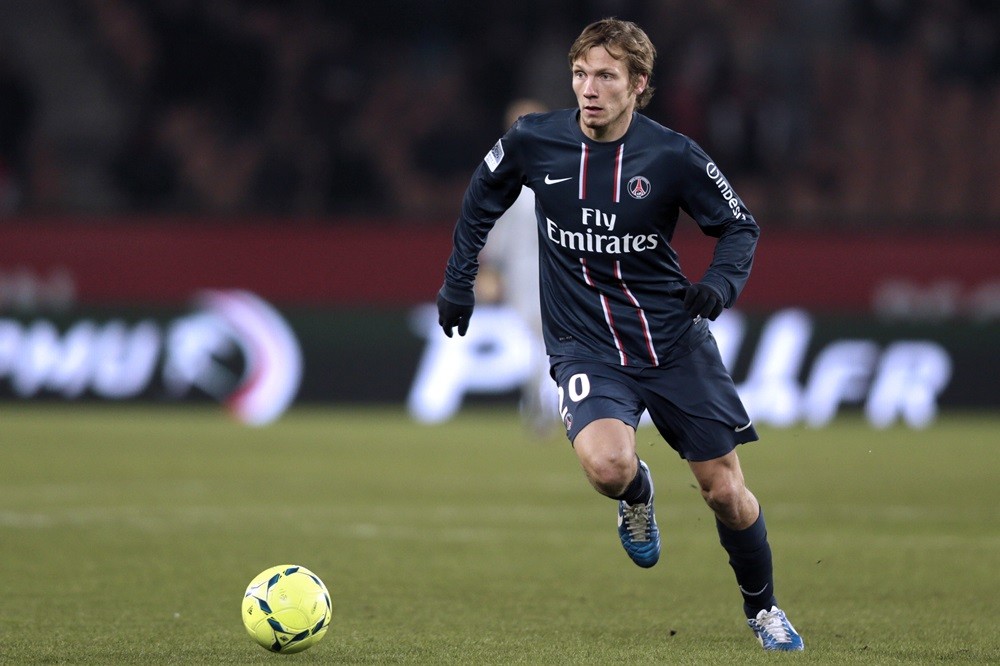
510	256
624	327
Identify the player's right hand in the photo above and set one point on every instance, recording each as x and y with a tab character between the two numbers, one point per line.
452	315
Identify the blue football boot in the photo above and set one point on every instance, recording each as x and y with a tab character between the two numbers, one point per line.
637	529
774	631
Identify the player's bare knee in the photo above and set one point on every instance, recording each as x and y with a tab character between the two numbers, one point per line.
609	475
733	504
724	497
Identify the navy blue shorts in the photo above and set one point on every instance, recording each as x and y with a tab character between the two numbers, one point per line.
691	400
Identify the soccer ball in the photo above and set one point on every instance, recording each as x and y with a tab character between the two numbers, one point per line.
287	608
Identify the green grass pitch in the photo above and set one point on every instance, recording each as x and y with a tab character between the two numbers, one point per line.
127	535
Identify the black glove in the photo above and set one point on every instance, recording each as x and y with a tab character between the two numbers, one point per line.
702	301
451	315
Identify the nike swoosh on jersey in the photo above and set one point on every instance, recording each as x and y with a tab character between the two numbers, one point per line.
742	428
553	181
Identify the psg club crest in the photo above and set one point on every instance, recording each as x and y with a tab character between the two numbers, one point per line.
638	187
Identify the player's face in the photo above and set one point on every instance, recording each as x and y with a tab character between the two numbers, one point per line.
604	94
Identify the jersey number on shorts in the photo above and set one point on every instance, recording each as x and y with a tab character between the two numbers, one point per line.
579	388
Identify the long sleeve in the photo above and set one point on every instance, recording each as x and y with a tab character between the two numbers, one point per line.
720	213
495	185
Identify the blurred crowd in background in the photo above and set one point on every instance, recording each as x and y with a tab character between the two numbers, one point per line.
824	114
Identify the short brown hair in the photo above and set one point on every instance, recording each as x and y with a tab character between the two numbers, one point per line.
624	40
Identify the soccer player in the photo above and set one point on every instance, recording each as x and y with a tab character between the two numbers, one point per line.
625	330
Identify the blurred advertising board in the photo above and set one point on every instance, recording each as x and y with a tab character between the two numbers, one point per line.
233	347
261	314
791	367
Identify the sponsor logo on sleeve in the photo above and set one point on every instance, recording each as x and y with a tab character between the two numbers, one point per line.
495	156
726	190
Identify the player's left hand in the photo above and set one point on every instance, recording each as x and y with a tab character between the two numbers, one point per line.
452	315
702	301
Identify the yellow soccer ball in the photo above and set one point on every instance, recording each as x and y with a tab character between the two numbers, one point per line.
287	609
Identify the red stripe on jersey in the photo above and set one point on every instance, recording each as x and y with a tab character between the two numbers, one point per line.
618	172
606	307
646	333
584	153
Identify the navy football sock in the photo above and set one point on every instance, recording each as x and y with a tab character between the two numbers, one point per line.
639	490
750	558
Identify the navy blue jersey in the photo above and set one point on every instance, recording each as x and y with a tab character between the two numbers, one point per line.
611	283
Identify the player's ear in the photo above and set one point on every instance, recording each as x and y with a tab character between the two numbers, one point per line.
641	81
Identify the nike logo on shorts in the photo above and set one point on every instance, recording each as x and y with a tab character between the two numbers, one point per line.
553	181
742	428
